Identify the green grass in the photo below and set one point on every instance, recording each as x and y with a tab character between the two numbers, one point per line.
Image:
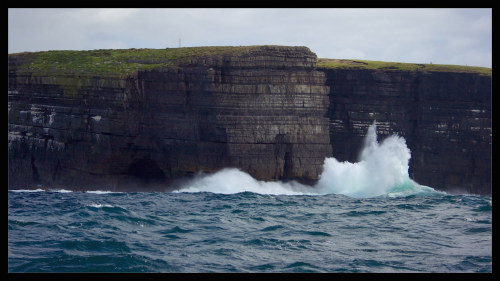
123	62
399	66
118	63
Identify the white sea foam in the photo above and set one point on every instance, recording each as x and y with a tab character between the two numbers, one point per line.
101	191
27	190
382	170
94	205
231	180
60	190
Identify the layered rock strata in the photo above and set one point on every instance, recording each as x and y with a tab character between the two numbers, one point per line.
445	118
271	111
262	110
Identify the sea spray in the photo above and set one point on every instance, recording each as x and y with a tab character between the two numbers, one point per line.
231	180
382	170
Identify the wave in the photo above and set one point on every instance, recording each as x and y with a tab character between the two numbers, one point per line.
102	191
232	180
94	205
60	190
63	191
26	190
382	171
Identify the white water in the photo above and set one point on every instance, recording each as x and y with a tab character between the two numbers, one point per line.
382	170
232	180
102	191
27	190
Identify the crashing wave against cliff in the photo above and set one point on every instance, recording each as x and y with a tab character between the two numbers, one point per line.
140	118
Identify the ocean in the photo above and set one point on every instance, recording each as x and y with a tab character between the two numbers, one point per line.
367	216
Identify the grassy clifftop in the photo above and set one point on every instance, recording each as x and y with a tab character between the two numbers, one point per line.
122	62
398	66
118	62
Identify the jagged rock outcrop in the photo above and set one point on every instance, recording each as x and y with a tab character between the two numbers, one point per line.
138	119
262	110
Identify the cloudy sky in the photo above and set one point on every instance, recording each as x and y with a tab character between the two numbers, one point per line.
440	36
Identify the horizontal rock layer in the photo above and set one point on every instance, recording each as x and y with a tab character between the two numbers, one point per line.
263	112
444	117
268	111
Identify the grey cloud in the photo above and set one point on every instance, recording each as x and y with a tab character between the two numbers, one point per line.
447	36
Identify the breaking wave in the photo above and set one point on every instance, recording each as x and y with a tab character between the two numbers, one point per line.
382	170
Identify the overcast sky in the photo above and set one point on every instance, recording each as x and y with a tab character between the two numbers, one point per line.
440	36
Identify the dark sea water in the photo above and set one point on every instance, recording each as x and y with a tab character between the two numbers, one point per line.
247	232
367	216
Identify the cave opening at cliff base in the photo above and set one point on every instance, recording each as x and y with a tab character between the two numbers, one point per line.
146	169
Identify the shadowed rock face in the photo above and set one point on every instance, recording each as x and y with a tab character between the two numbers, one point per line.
444	117
263	111
267	111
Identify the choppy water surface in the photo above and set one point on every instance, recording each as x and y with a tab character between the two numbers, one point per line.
247	232
367	216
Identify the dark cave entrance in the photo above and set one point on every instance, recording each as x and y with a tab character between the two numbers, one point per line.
288	166
146	169
34	170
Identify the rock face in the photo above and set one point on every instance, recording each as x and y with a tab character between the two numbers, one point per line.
444	117
267	110
263	111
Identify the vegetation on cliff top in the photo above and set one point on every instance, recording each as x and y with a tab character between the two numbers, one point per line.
398	66
122	62
119	62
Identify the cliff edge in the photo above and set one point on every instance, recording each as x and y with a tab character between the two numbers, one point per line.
139	119
120	119
443	112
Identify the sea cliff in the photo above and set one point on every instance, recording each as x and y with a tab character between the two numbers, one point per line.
444	115
139	119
